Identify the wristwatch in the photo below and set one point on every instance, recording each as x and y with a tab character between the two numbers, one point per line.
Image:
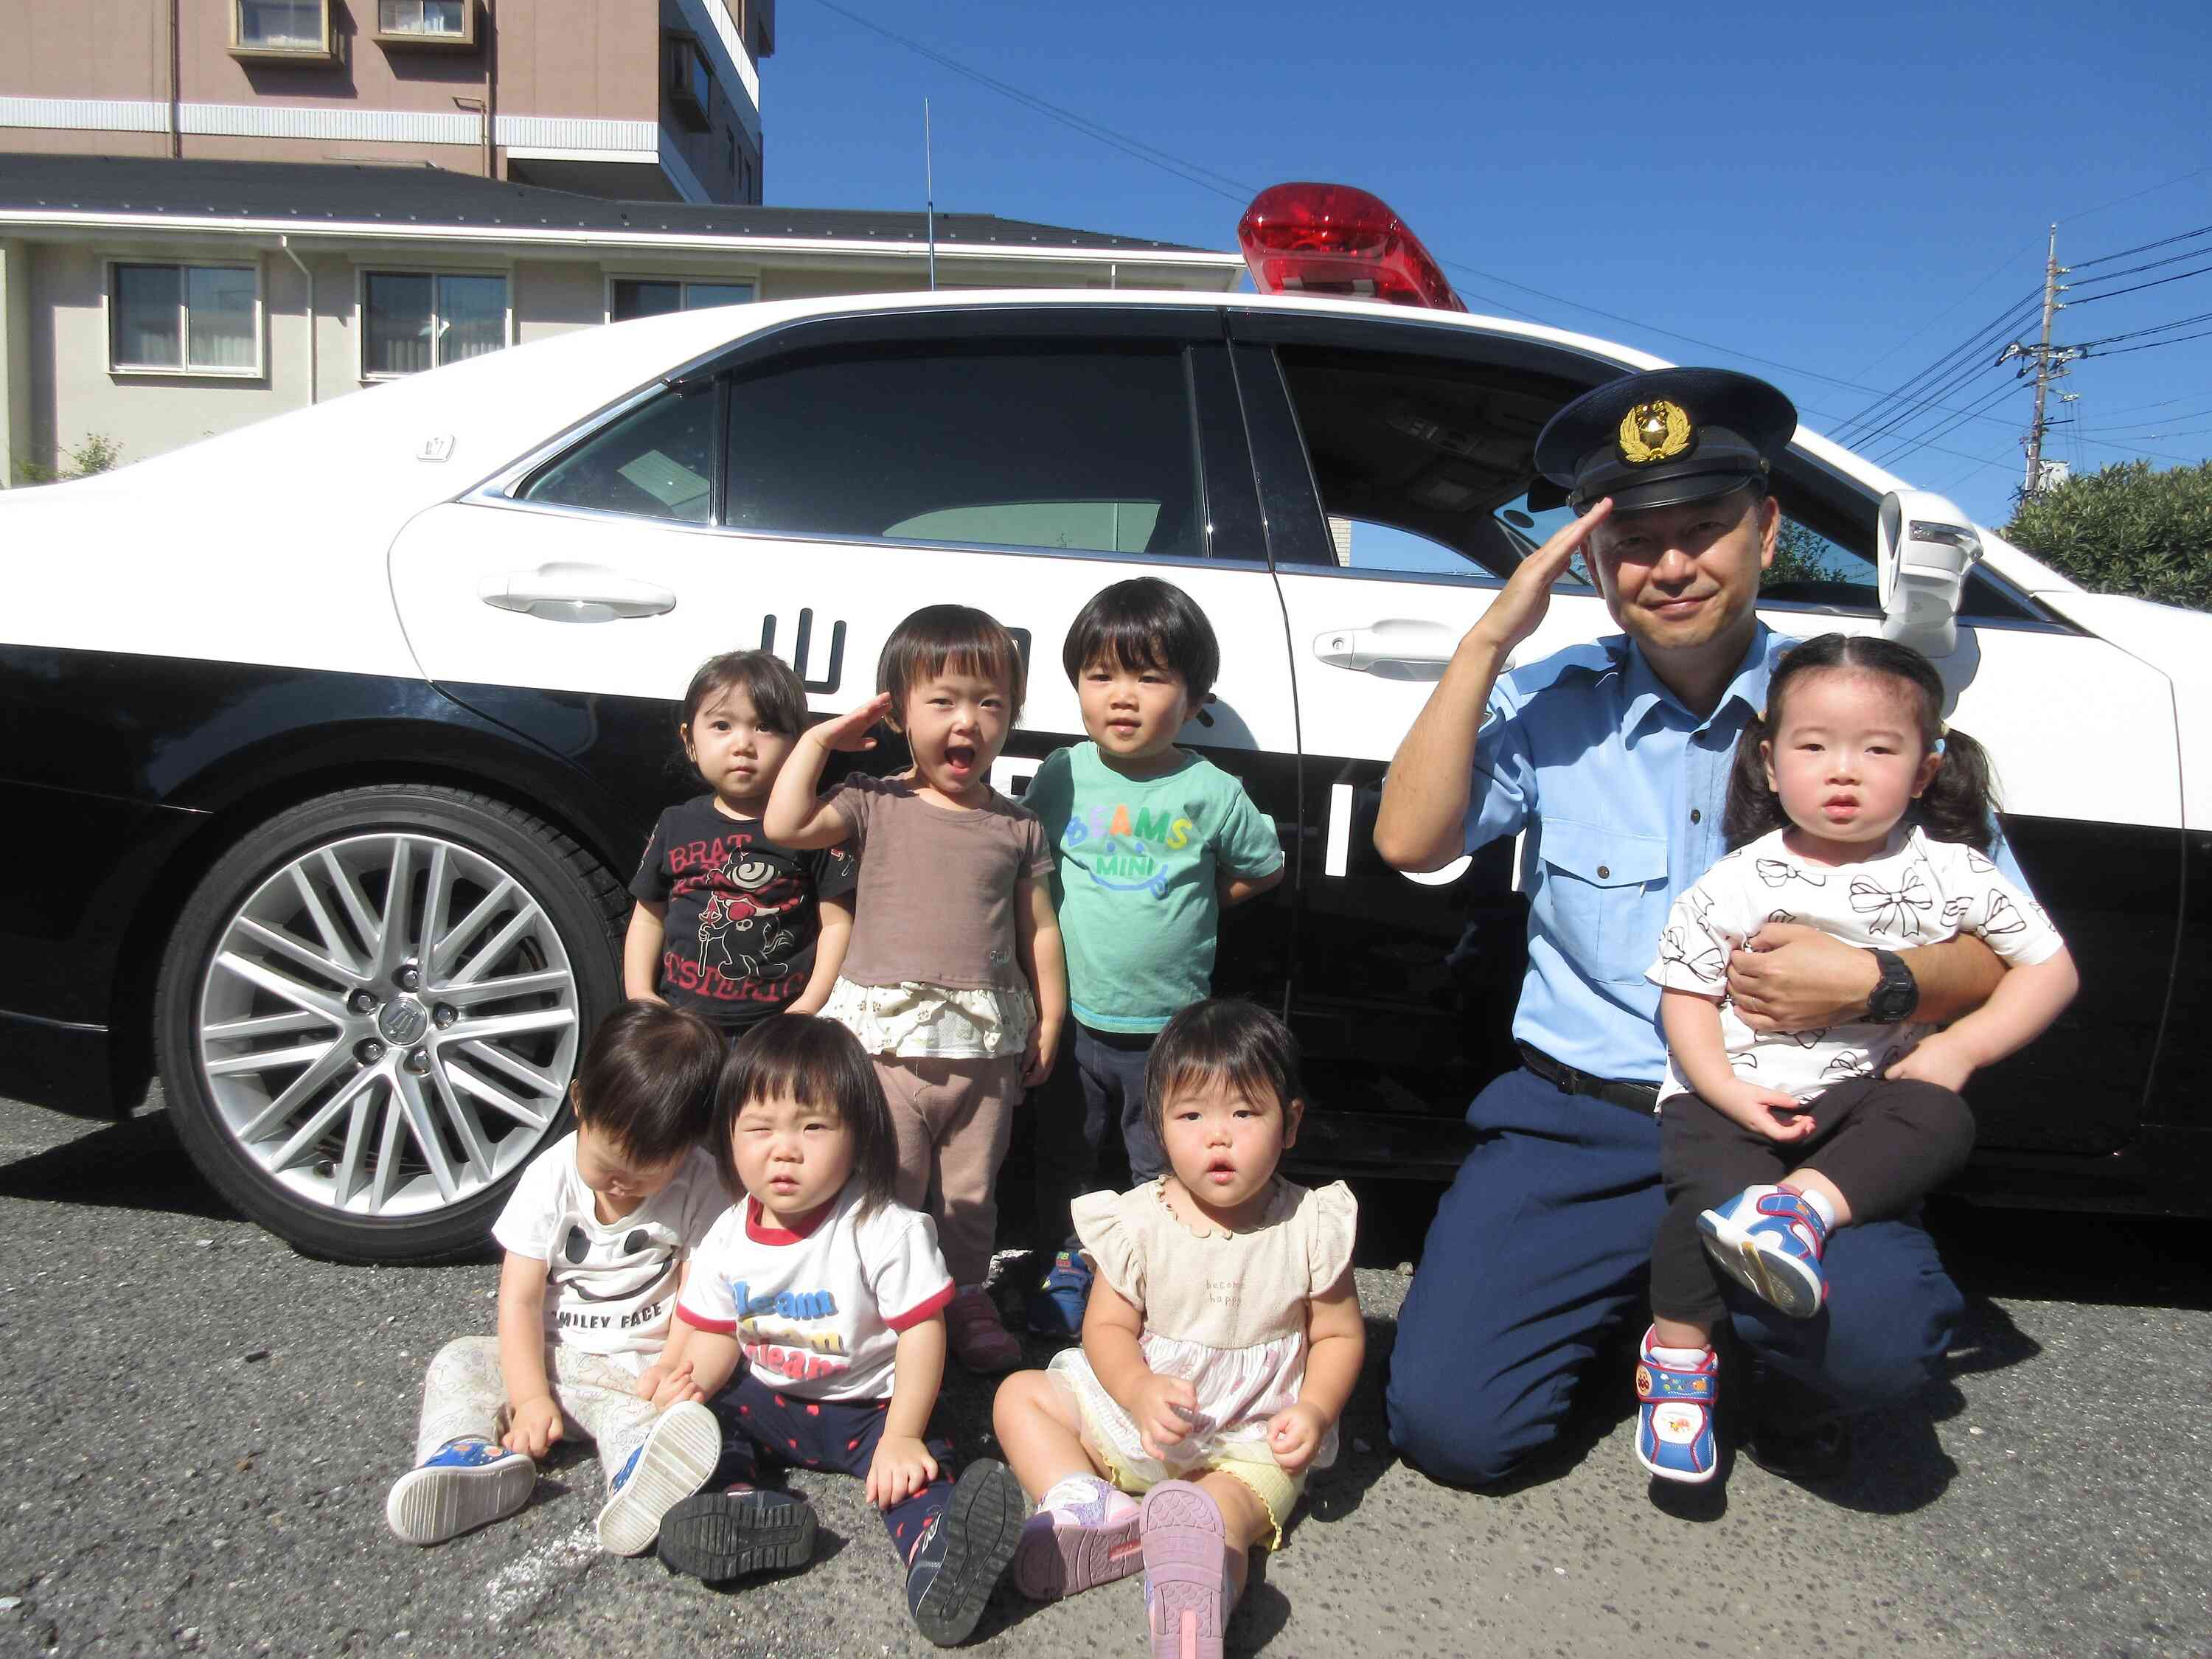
1896	993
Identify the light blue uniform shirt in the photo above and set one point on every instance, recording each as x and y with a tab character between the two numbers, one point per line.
1620	791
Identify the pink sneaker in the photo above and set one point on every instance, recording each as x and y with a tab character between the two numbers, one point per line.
1067	1550
1187	1594
980	1340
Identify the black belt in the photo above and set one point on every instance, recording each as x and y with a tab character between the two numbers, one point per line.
1637	1096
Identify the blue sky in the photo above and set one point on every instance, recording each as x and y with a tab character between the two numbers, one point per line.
1853	191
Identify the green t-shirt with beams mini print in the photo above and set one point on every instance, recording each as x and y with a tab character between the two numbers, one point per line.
1137	864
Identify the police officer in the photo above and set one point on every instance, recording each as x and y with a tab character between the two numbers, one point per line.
1614	758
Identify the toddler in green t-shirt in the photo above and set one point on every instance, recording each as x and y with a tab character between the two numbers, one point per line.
1148	842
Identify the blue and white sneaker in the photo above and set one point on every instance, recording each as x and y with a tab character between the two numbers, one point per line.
1675	1415
675	1462
1770	1240
1056	1307
462	1486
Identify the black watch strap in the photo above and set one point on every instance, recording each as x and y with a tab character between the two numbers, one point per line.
1896	993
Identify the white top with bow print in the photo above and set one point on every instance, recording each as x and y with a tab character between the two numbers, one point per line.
1914	891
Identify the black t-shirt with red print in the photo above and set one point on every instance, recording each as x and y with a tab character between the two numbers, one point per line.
743	918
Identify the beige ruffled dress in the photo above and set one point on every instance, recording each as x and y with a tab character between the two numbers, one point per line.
1225	1311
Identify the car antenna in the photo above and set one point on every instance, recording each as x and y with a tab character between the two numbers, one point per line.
929	195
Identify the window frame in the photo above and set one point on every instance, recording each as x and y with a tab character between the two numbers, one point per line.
749	278
326	51
183	369
363	272
464	41
697	114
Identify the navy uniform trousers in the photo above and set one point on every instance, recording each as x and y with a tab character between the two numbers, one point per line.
1541	1250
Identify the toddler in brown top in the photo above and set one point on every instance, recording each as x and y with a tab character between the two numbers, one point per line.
954	981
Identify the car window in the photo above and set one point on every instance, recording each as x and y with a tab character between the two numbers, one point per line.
656	462
1824	558
1085	446
1420	462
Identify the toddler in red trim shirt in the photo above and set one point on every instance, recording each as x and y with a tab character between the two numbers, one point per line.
833	1295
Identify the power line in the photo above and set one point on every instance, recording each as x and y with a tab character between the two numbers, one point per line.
1944	429
2155	328
2152	190
2143	247
2153	345
2148	264
1946	364
2114	293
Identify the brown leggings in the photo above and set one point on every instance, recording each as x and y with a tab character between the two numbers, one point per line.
1887	1143
953	1119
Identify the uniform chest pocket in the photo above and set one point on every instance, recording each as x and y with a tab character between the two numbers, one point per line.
1604	899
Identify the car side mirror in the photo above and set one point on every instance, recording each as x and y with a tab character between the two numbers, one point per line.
1926	548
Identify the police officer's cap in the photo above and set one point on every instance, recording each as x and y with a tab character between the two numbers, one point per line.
1665	437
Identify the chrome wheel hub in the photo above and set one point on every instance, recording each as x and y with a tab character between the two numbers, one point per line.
387	1025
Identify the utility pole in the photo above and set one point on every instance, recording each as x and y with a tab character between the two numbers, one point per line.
929	194
2050	364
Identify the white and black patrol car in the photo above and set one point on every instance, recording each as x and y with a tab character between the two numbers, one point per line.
331	742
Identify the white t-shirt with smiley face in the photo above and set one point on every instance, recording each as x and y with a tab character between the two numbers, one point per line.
611	1286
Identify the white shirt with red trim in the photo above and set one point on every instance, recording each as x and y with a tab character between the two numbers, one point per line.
819	1311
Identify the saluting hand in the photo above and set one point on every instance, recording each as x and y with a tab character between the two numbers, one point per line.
854	732
1517	610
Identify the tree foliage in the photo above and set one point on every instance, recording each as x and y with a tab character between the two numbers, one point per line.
2126	530
1802	556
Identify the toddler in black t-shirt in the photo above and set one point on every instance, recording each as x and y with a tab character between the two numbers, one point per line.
727	923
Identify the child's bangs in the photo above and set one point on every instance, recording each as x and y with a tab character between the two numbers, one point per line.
1248	1074
1130	643
953	639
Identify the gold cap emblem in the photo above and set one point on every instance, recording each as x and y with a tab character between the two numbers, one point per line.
1654	432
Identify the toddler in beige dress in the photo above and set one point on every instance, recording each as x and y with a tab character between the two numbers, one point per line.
1222	1339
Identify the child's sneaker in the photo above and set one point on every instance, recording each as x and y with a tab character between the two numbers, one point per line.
1056	1307
1675	1415
1771	1240
956	1562
1077	1541
1187	1598
463	1485
675	1460
981	1340
718	1535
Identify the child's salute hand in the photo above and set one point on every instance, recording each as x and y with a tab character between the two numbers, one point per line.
1295	1434
901	1467
851	731
533	1427
1163	1408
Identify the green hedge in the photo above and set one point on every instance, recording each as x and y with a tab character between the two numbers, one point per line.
2126	530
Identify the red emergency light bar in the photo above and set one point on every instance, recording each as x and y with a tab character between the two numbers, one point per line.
1334	240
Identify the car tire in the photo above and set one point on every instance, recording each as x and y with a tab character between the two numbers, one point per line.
369	1011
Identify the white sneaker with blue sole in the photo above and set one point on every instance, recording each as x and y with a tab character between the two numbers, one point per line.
1770	1240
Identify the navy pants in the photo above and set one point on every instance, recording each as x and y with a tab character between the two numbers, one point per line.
1540	1250
1108	1071
763	1429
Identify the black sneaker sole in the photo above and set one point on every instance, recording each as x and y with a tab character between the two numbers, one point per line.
982	1525
716	1536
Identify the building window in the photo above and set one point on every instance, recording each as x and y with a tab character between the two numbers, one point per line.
690	83
281	28
426	22
414	320
184	319
633	297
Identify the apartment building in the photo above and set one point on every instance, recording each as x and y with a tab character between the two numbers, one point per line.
645	99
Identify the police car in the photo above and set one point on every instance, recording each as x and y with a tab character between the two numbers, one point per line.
334	740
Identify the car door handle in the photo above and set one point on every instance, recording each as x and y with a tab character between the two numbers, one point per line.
574	594
1395	648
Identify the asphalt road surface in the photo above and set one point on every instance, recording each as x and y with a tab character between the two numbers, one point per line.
197	1427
